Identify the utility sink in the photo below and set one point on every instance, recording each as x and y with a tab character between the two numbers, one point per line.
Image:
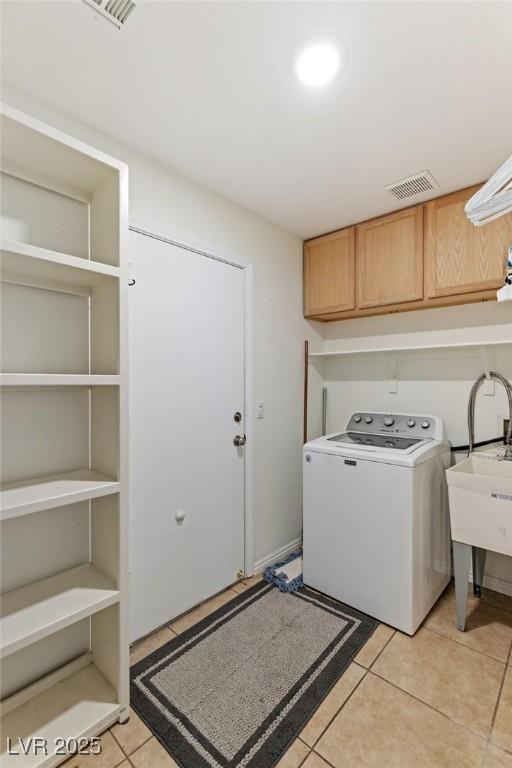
480	494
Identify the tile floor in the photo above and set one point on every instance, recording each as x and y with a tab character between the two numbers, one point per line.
441	699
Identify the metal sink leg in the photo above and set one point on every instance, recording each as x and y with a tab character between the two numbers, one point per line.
479	556
462	564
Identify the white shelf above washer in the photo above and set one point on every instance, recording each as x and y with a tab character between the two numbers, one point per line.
412	348
40	493
30	613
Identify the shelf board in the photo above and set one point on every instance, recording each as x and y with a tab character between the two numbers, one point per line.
40	493
412	348
52	158
30	613
81	705
31	265
57	380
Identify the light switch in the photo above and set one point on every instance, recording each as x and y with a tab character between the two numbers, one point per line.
260	409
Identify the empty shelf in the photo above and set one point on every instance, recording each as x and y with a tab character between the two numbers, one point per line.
21	262
57	380
83	704
39	609
41	493
470	345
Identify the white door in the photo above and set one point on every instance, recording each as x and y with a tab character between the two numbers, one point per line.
187	332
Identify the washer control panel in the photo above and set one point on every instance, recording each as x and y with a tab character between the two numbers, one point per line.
412	425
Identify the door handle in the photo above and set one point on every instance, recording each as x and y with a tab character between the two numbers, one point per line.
239	440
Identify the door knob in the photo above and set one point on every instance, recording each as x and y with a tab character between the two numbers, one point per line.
239	440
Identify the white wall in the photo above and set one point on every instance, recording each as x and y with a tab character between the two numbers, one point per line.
161	199
436	382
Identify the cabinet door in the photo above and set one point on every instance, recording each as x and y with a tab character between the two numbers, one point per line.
462	258
389	253
329	283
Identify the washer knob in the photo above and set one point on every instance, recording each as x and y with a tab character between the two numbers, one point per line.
425	424
411	423
389	421
357	419
368	419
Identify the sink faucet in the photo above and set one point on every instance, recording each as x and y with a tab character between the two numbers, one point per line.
471	412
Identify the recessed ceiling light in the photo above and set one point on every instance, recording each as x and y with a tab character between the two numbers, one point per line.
317	64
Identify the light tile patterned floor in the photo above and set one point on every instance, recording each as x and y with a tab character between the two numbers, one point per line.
442	699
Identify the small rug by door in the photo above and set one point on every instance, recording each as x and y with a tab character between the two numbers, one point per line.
286	576
234	690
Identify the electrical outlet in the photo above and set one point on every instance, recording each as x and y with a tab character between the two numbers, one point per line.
260	409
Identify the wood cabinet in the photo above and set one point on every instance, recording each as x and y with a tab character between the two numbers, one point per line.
459	257
329	277
426	256
389	259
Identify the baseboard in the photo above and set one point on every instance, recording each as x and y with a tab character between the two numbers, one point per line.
491	582
279	554
497	585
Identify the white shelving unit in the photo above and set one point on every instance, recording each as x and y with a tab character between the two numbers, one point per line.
63	382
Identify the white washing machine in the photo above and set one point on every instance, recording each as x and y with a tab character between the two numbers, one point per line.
376	525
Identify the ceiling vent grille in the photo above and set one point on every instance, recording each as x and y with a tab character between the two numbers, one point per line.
116	11
418	184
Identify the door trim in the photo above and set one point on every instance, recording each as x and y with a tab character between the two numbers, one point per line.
202	250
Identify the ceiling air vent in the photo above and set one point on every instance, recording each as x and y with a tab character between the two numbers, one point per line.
116	11
418	184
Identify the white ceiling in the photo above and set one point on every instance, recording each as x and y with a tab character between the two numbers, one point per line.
208	89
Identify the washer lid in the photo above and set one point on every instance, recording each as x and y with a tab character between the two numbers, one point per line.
411	456
375	441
